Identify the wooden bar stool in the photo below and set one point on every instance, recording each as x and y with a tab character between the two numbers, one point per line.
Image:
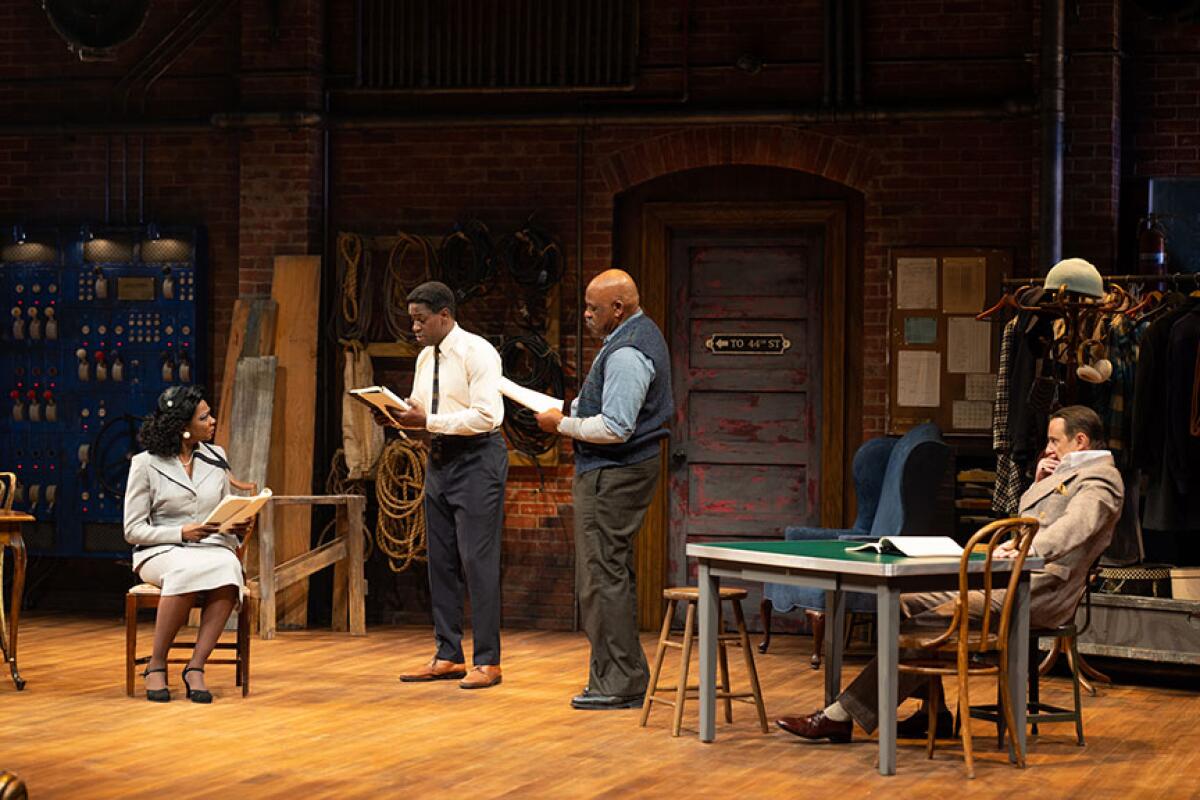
690	595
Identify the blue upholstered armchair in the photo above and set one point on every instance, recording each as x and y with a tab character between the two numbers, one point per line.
895	482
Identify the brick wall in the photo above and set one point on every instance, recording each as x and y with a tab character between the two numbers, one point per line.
279	209
1162	97
258	191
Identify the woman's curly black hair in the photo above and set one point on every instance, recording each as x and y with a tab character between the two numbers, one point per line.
162	431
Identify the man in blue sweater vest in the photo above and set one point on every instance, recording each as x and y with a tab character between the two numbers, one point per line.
617	422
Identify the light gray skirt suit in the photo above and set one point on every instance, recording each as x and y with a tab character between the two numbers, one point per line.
160	499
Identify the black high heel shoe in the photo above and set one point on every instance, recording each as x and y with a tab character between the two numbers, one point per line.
157	695
196	695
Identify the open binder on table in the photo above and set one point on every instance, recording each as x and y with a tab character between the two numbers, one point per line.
912	546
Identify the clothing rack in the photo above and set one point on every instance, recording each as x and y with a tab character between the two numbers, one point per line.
1174	277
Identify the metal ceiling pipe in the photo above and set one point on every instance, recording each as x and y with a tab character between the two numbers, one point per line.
827	54
1053	114
839	53
856	50
683	117
1007	109
268	119
112	128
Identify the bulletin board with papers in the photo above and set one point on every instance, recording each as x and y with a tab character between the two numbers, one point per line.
942	362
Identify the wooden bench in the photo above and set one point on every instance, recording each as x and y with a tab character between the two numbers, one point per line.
345	551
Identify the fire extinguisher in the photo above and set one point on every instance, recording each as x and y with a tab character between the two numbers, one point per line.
1151	246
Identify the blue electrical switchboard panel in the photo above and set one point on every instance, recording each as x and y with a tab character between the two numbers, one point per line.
96	323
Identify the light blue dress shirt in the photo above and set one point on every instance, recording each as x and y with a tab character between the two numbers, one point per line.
627	377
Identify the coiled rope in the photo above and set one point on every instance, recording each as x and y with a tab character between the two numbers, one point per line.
400	278
400	493
532	256
529	360
337	481
354	268
467	260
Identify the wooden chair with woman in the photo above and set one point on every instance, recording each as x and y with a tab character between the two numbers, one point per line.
182	561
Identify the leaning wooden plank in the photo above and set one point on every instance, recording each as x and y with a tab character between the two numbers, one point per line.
260	328
233	351
296	288
250	442
253	410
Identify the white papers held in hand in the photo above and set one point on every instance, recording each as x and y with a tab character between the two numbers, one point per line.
912	546
234	510
534	401
380	398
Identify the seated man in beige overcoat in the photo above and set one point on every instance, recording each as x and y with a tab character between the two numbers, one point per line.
1076	497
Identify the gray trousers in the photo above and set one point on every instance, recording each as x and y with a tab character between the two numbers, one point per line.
922	611
464	516
609	506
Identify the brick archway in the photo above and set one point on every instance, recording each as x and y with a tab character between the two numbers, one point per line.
760	145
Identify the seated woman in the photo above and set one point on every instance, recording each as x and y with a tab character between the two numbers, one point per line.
172	488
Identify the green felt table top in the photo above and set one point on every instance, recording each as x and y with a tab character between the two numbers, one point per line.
820	548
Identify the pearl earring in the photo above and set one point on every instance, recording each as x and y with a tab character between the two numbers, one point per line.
187	434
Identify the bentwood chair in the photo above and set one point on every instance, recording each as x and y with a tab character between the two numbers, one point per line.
12	787
976	637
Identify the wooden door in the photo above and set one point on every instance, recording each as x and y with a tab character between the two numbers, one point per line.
746	345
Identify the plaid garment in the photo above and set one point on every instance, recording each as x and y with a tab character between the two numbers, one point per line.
1009	485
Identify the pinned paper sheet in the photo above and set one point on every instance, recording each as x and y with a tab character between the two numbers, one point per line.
920	330
981	387
916	283
971	415
918	378
968	345
534	401
963	284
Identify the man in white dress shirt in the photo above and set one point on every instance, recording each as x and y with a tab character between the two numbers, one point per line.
456	397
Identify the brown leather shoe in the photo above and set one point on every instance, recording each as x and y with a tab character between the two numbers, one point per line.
817	726
437	669
481	677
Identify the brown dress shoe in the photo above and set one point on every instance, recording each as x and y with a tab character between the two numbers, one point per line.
481	677
817	726
437	669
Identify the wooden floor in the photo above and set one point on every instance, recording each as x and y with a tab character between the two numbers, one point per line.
326	717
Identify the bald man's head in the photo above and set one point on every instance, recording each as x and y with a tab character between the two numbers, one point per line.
611	298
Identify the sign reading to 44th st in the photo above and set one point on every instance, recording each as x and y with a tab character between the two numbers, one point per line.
742	344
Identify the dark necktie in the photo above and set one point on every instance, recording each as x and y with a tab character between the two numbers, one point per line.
433	402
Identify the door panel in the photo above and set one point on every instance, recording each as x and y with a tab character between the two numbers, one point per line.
739	501
748	428
721	271
746	449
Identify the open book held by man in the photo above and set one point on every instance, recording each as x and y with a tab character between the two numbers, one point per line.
381	399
